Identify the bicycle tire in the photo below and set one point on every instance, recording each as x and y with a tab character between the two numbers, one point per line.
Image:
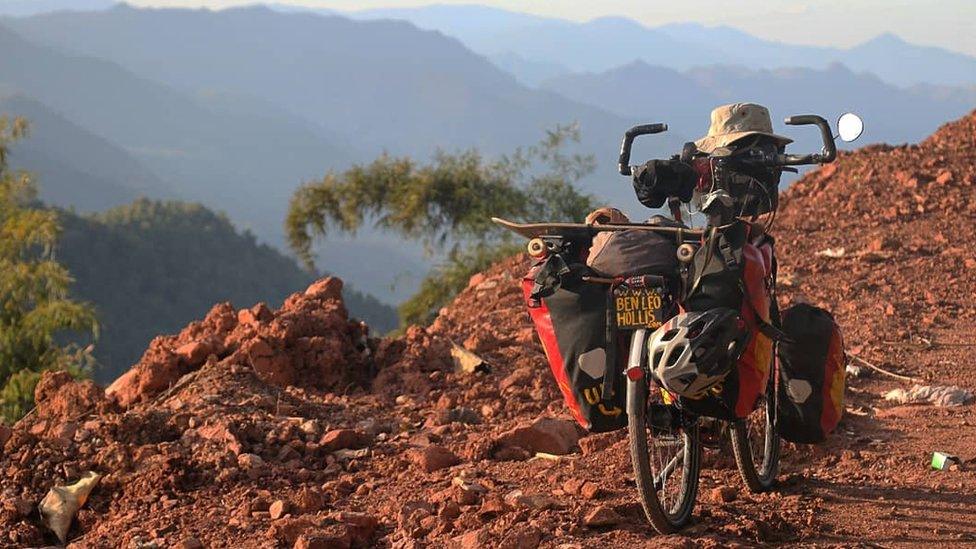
762	478
665	521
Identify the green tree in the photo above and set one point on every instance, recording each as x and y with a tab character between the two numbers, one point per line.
447	205
36	314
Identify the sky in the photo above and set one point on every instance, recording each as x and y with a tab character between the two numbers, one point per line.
950	24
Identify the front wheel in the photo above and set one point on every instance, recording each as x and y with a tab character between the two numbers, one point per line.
756	446
666	455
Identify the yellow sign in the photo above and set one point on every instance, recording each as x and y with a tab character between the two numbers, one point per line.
638	309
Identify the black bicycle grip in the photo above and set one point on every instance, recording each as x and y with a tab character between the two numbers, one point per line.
829	148
623	163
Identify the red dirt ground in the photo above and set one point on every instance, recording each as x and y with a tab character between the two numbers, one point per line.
260	428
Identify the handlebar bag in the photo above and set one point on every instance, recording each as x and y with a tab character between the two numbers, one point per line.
634	252
571	323
755	189
811	375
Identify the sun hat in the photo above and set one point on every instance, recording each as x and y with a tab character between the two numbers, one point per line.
730	123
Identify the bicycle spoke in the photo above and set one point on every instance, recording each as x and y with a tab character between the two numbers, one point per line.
662	477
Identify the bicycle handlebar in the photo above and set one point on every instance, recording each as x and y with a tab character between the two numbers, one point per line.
826	155
829	152
623	164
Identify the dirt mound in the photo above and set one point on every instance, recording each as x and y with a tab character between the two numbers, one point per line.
883	237
271	427
310	341
292	428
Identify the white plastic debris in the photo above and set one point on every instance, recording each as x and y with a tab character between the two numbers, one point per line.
59	506
465	361
832	253
938	395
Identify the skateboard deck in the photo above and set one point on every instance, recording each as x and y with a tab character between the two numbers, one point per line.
582	230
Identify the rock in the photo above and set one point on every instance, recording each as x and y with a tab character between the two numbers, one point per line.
20	507
361	526
476	279
340	439
189	543
255	315
546	435
521	536
58	396
278	509
468	493
516	498
595	443
220	435
590	490
602	516
249	461
572	486
475	539
309	500
252	465
270	366
492	507
196	352
329	287
311	428
412	514
724	494
449	510
434	458
523	377
289	529
316	541
453	415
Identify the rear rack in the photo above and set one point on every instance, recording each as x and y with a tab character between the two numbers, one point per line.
640	281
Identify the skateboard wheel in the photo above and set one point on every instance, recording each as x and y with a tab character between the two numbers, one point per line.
685	253
537	248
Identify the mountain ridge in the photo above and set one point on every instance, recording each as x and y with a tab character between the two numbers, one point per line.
585	46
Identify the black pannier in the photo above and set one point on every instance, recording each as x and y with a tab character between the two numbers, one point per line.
811	375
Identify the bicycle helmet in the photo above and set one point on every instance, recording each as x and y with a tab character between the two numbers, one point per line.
695	351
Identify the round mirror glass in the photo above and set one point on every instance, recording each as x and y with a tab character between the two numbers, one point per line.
849	127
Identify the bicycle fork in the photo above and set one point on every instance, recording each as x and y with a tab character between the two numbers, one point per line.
637	373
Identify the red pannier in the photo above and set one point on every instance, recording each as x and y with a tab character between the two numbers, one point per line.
571	324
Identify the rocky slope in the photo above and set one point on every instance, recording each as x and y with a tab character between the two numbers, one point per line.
294	428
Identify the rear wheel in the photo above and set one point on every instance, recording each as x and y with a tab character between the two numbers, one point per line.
756	445
666	459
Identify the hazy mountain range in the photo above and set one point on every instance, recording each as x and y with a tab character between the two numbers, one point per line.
608	42
236	108
644	92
